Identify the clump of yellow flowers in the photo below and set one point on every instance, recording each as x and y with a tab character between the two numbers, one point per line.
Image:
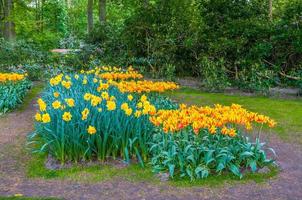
84	96
120	76
225	118
145	86
91	130
13	77
67	116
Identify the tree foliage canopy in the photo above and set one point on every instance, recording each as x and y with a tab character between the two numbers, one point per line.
224	42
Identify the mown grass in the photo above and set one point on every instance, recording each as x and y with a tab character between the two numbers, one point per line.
88	174
287	112
134	173
36	89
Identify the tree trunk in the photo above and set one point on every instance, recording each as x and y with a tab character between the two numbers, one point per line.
270	10
1	29
9	25
90	16
1	17
102	11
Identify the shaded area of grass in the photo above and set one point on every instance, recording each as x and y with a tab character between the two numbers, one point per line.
88	174
135	173
287	112
229	179
33	93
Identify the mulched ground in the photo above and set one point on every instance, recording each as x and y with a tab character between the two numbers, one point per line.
15	126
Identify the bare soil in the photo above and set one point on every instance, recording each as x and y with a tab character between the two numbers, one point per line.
15	126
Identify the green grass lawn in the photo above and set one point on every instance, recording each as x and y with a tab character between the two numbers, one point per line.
33	93
135	173
287	112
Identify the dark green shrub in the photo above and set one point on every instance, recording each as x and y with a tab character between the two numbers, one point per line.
213	74
256	78
20	52
35	71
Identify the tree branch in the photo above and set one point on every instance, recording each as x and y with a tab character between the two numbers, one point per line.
290	77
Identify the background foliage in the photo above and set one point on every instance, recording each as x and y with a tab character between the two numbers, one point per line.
223	43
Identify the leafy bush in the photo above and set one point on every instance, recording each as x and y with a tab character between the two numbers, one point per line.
256	79
20	52
21	56
13	88
35	72
77	59
70	42
213	74
168	71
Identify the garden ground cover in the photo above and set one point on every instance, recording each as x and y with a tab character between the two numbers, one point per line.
70	184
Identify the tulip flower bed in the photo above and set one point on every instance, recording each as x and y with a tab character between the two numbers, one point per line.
13	88
107	113
205	140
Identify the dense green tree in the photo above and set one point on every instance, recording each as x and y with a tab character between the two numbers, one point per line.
7	25
251	44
